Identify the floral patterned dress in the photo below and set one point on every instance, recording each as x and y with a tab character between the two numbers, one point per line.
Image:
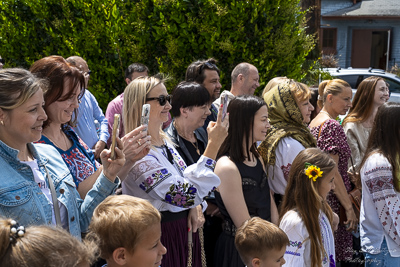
332	139
163	178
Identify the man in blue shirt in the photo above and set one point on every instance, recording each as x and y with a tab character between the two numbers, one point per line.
89	112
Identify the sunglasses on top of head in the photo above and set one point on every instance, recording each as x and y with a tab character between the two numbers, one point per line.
207	65
162	99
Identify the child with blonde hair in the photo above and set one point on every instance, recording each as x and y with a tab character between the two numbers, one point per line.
261	243
128	232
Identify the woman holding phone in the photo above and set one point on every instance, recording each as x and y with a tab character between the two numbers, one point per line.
36	186
162	177
62	98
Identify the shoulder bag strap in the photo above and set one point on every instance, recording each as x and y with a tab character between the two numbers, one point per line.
54	198
319	133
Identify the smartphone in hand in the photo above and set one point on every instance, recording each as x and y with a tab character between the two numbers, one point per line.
145	114
225	103
117	118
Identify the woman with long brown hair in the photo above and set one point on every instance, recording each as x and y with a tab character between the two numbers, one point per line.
380	178
372	93
305	215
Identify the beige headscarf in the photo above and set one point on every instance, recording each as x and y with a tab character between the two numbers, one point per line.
286	120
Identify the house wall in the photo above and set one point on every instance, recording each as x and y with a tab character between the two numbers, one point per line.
345	31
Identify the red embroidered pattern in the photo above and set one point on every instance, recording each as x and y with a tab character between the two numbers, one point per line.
285	170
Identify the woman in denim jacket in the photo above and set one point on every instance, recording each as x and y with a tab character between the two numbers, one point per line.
26	193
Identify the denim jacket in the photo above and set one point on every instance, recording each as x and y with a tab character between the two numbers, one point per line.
22	200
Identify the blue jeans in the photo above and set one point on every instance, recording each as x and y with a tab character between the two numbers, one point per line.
382	259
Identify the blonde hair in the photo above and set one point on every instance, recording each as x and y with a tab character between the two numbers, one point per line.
135	97
302	195
327	87
17	86
256	237
272	83
43	246
300	91
119	221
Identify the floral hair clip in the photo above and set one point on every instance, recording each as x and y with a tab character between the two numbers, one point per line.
16	231
312	171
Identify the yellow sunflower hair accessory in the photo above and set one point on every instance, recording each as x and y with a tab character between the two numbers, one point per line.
312	171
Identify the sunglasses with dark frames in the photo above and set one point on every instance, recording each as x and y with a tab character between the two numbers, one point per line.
208	66
162	99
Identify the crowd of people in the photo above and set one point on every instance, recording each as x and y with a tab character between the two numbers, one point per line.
206	182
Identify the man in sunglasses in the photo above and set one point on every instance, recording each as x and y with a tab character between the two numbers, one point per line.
89	112
206	73
244	81
116	105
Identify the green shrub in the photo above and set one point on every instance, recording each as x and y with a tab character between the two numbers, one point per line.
165	35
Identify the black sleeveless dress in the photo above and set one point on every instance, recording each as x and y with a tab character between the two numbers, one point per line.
257	197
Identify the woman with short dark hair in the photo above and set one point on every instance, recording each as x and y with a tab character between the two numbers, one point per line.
190	108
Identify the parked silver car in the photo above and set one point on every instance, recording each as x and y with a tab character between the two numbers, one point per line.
355	76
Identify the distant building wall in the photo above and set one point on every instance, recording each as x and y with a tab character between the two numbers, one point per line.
333	5
345	32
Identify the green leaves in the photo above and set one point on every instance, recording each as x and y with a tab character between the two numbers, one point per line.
166	35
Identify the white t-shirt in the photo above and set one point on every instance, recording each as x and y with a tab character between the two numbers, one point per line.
41	182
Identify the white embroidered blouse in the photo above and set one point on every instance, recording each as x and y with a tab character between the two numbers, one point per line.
380	207
298	252
288	148
171	187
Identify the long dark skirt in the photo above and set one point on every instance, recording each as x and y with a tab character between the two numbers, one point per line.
175	238
226	254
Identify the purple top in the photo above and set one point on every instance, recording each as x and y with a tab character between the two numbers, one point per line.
333	140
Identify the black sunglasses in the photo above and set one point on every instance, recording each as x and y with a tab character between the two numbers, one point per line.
208	66
162	99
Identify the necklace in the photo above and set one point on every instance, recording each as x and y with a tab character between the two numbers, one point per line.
196	145
323	111
58	145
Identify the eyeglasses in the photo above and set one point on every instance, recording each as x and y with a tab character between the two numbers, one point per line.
162	99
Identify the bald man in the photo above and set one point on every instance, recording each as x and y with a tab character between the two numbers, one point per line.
244	80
